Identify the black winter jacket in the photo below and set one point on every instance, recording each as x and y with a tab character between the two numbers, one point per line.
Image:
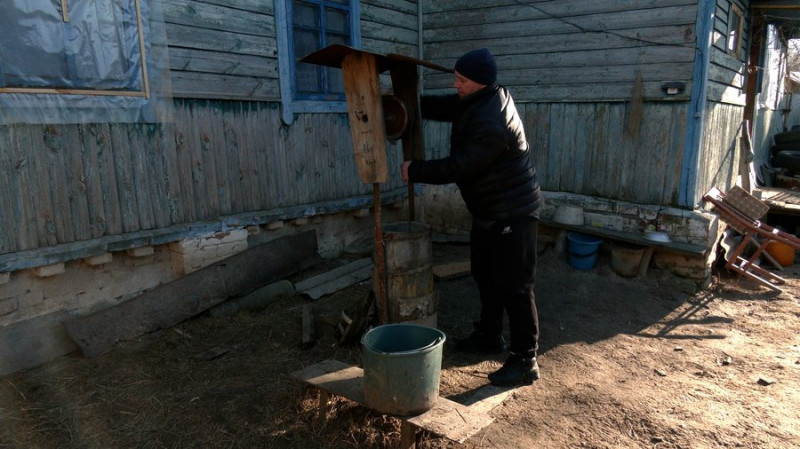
489	159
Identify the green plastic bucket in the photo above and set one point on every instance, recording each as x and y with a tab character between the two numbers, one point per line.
402	364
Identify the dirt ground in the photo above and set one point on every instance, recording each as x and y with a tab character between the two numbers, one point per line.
640	362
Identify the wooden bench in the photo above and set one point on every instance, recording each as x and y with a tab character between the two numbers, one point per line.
447	418
637	239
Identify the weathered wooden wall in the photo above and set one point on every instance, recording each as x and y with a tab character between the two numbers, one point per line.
226	154
584	148
588	77
567	51
78	182
720	150
726	80
222	49
390	26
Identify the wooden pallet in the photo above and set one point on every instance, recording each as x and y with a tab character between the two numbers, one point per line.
447	418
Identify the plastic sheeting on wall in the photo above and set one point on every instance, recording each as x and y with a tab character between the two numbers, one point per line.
79	61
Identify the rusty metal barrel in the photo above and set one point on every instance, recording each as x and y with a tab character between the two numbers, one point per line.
411	293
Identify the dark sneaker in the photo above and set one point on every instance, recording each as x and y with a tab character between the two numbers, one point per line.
517	370
480	342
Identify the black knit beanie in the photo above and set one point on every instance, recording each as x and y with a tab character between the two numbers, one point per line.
478	65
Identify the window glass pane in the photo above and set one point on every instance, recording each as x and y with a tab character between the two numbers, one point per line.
734	43
336	21
306	15
305	42
335	81
307	76
312	31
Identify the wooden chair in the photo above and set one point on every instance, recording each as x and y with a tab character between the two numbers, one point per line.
742	212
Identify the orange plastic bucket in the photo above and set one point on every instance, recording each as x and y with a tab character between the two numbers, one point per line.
781	252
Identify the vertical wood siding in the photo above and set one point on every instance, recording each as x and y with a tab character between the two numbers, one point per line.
70	183
720	148
583	148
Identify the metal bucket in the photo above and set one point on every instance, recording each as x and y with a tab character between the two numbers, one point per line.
411	292
402	365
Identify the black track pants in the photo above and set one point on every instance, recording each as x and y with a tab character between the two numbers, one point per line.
503	259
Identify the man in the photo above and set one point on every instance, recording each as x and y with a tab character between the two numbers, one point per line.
490	163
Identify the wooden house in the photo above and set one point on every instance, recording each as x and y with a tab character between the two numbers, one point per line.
176	133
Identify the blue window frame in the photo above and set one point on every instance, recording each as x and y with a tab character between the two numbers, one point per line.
305	26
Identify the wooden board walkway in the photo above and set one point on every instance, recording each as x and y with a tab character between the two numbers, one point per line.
447	418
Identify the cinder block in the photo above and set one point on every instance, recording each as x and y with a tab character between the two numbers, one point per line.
275	225
49	270
142	251
5	278
606	221
99	260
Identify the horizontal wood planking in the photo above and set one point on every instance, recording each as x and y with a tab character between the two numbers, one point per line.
222	49
203	15
569	51
394	15
222	63
226	50
573	7
485	22
182	36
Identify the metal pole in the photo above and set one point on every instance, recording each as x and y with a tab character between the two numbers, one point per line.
410	201
380	258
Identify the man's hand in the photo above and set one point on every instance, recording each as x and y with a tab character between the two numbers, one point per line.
404	170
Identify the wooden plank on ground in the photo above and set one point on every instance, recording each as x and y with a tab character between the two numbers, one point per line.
448	419
451	270
335	377
488	397
452	420
336	279
169	304
29	343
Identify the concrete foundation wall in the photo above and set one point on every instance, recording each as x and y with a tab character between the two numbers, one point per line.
35	302
443	208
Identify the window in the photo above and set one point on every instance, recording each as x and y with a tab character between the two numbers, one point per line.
735	25
72	45
65	61
305	26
